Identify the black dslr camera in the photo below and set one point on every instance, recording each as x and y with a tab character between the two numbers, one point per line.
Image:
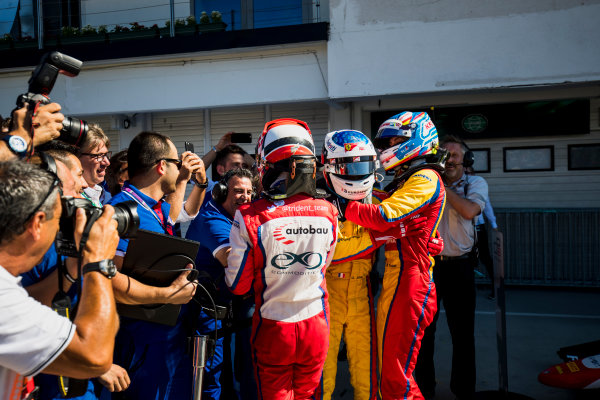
42	81
126	216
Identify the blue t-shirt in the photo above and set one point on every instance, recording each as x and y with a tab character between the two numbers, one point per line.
208	194
211	228
148	218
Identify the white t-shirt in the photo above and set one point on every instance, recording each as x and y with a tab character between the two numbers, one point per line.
31	335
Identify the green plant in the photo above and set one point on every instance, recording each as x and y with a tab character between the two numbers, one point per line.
69	31
190	21
135	26
88	30
6	38
119	28
204	19
102	29
180	23
216	16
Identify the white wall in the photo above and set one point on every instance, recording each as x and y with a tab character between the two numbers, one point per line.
211	79
385	47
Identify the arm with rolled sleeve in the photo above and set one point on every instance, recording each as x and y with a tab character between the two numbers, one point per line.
488	212
239	273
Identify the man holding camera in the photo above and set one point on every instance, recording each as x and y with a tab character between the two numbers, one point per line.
34	338
155	355
30	129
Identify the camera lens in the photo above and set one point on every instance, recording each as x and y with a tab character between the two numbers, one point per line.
127	218
74	131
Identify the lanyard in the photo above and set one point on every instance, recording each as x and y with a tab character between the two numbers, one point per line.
142	203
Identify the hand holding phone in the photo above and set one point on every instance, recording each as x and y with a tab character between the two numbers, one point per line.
189	146
241	137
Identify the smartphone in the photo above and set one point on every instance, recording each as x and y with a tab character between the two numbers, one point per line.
241	137
189	146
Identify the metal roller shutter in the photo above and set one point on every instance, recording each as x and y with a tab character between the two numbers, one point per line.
181	126
316	115
239	119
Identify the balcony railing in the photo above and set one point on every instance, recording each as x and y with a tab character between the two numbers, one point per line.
46	24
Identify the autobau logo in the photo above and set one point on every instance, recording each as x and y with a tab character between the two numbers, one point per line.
309	259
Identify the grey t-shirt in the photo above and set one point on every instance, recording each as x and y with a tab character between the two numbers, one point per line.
458	232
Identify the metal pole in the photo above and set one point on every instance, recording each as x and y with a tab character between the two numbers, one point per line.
172	4
199	362
40	23
500	312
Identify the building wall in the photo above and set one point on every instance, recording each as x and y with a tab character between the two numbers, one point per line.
225	78
388	47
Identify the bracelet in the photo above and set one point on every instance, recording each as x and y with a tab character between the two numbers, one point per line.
214	149
68	276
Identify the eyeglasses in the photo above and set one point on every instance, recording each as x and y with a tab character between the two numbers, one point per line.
98	156
171	160
55	183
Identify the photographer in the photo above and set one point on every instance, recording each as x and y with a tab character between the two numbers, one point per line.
38	126
34	338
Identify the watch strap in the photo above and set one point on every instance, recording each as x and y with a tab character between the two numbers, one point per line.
105	267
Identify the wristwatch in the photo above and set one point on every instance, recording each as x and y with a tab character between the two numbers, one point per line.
201	185
16	144
105	267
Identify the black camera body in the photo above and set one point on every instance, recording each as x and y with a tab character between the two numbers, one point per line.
42	81
126	216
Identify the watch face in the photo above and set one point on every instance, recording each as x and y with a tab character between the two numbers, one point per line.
108	268
18	144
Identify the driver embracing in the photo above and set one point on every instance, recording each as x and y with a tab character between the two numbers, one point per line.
409	146
281	245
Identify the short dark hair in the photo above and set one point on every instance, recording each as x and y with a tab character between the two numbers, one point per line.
454	139
58	149
22	189
230	149
145	150
239	172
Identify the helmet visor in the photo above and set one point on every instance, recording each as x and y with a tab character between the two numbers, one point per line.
357	168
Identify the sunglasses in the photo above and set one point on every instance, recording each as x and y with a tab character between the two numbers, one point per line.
171	160
55	183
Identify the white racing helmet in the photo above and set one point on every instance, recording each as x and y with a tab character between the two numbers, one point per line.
350	162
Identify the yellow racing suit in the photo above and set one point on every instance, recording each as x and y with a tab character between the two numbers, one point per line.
351	310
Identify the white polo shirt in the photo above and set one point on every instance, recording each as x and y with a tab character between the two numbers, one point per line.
31	335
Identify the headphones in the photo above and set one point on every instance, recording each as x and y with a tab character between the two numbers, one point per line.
469	157
219	191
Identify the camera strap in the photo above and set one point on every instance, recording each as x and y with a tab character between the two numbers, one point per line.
61	303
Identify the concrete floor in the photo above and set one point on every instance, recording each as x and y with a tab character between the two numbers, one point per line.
539	322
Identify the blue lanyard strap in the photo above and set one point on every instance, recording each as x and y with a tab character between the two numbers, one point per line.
142	203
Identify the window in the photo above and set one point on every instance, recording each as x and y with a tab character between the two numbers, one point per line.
584	156
534	158
481	160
